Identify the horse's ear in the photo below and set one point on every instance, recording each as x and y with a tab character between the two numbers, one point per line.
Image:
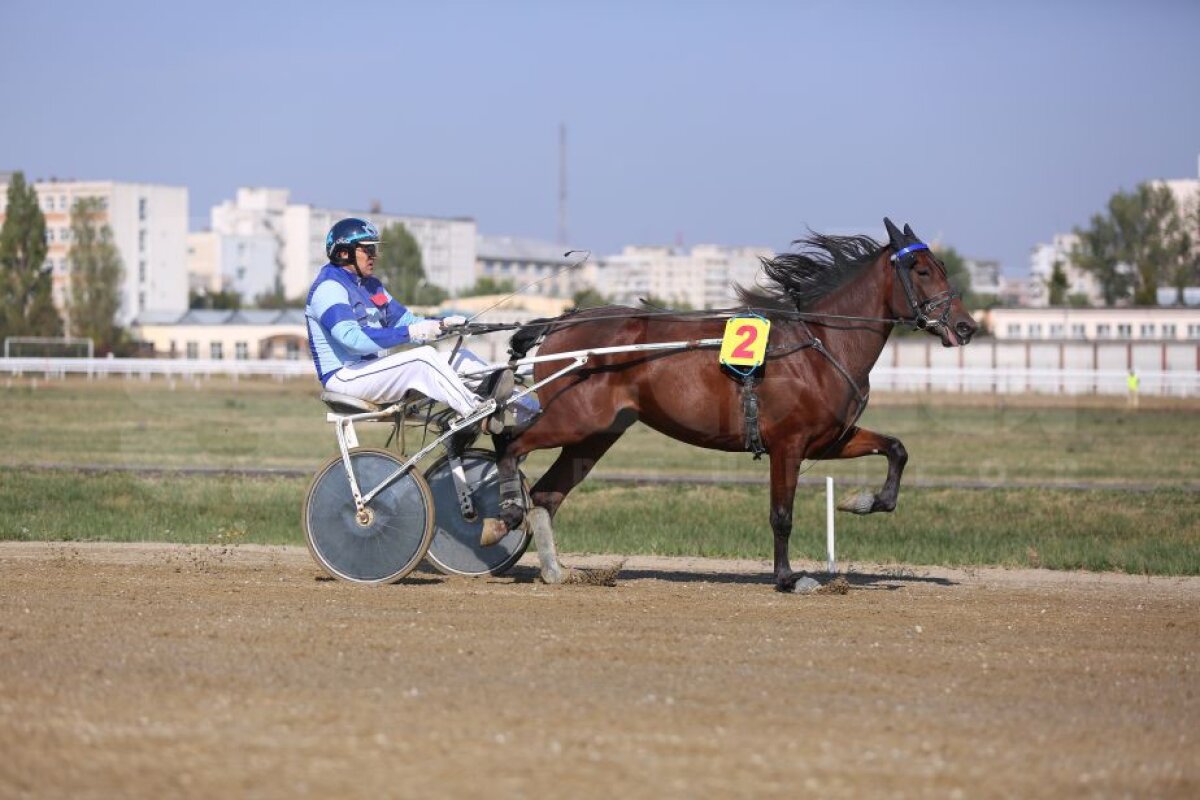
894	236
908	231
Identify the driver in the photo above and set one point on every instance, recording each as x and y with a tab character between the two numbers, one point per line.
352	321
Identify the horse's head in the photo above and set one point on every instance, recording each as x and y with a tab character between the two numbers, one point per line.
924	295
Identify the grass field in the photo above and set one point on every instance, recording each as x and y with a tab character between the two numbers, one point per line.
1142	532
220	424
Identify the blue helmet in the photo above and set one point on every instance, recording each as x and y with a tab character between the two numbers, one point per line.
347	234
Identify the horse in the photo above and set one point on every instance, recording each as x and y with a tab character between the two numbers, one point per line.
832	304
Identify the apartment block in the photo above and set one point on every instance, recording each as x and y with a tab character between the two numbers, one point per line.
543	264
266	241
703	277
1042	259
149	225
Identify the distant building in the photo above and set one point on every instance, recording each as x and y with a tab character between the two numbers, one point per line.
203	272
1186	192
1041	267
704	277
267	241
149	225
1094	324
524	261
251	242
1022	292
985	276
246	335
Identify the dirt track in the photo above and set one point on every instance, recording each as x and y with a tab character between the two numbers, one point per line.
149	671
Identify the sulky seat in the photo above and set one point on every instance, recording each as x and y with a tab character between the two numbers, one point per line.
348	404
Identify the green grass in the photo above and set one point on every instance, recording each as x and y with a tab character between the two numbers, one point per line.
1150	532
263	423
56	505
221	424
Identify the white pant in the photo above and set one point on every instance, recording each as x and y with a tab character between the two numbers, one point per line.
421	369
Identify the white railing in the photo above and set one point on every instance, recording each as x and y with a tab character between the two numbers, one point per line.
154	367
1018	380
975	380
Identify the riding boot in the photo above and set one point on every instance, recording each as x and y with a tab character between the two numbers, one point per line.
502	383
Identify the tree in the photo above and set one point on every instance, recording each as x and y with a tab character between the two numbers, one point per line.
1057	284
486	284
26	303
1096	253
227	299
589	298
399	266
1138	245
1079	300
276	299
96	270
958	276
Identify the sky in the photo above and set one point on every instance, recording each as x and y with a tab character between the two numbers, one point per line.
989	126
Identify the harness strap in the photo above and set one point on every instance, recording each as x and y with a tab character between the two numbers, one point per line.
819	346
754	442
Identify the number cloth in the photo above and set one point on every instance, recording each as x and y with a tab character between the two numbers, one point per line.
745	342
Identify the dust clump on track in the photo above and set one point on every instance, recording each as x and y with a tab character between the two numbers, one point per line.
838	585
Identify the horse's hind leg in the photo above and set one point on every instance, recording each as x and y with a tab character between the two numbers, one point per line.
862	442
568	470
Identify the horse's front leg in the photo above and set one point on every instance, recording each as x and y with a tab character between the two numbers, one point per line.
785	472
862	442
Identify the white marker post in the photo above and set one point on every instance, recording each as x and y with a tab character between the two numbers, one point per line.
829	524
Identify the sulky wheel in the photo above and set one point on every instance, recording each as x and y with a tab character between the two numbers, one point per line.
386	541
455	549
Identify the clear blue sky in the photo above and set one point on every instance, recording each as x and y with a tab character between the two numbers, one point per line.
989	124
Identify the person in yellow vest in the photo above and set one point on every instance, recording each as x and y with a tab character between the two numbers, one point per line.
1134	383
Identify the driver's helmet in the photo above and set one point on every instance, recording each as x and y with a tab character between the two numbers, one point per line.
347	234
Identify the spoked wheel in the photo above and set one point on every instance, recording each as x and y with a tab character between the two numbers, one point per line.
456	549
383	543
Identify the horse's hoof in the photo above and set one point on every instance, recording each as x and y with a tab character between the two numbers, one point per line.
806	585
860	503
493	531
552	574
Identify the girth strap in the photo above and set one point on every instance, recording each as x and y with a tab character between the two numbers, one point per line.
754	442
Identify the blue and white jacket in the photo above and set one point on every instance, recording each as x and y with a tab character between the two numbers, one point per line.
351	320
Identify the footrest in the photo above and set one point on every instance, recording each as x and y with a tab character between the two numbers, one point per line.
347	404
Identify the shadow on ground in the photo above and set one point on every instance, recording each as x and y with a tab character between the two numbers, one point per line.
857	580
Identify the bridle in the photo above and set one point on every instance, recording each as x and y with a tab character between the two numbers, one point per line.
923	311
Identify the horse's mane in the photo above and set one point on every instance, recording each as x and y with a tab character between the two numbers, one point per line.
799	279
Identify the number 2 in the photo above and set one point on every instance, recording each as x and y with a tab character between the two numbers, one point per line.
743	350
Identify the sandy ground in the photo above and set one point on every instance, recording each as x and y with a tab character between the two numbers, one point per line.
154	671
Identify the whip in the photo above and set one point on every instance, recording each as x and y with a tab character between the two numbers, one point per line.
586	255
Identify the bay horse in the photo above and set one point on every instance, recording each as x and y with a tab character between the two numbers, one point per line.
832	305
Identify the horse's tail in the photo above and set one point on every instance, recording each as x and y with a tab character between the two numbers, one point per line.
529	336
534	332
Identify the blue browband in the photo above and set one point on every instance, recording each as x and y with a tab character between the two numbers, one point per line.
912	248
